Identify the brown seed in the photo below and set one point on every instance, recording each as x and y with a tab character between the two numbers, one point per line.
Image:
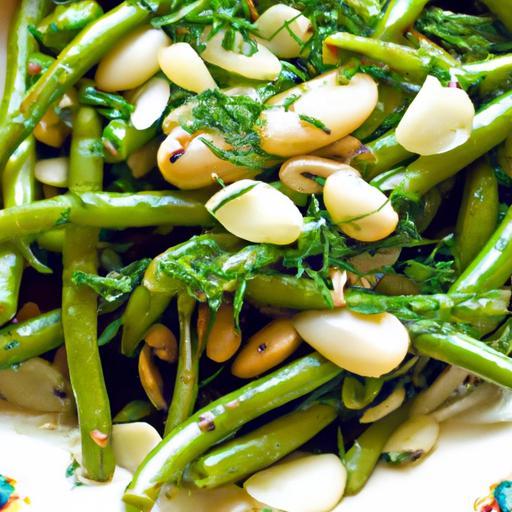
151	379
267	348
223	339
163	342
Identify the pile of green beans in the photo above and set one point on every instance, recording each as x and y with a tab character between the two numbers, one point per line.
131	243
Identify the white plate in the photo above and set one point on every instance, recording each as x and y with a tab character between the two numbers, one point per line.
466	462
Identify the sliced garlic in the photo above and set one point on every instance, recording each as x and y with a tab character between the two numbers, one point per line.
183	66
391	403
368	345
360	210
414	439
36	385
53	171
276	26
132	442
150	102
438	119
261	65
132	61
314	483
256	211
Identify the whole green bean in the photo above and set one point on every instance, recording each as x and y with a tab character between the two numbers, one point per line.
362	458
72	63
492	267
397	18
19	47
79	312
404	59
503	11
478	213
17	188
185	386
385	153
31	338
491	126
121	139
106	210
220	418
468	353
18	177
240	457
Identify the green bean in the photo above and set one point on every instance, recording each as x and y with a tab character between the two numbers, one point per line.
435	51
490	73
185	387
284	292
240	457
52	240
385	153
106	210
362	458
505	156
31	338
428	208
17	179
478	213
219	419
72	63
134	411
491	126
121	139
143	310
503	11
17	188
79	312
492	267
468	353
404	59
398	17
65	22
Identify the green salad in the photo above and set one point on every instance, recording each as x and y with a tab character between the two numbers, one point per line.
269	230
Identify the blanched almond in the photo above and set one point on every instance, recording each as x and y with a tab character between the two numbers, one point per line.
183	66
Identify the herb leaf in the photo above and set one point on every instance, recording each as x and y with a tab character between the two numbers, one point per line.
116	285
